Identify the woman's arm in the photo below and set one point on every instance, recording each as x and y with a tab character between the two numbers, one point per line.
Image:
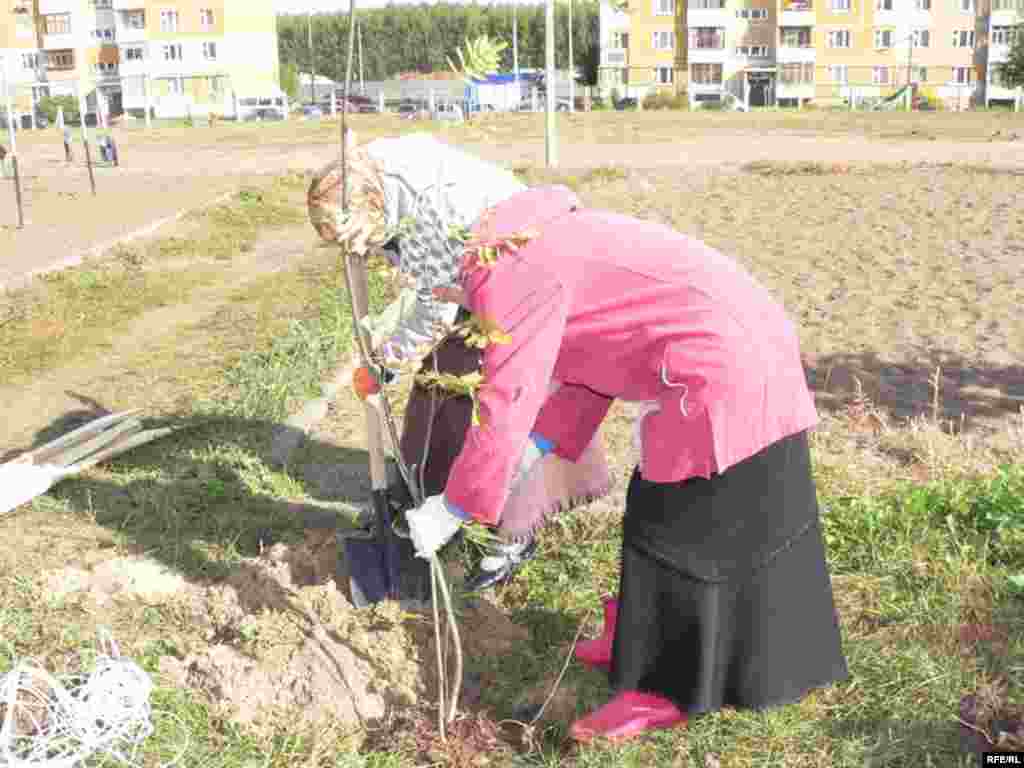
531	306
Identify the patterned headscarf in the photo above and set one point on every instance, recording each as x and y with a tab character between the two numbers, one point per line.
364	225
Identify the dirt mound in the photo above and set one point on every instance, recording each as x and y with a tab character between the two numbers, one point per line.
284	642
119	578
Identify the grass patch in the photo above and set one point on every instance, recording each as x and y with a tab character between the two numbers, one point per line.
923	520
78	312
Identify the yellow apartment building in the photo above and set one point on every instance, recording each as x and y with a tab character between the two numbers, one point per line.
792	52
174	57
20	58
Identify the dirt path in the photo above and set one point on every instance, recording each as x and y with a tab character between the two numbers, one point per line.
155	181
117	374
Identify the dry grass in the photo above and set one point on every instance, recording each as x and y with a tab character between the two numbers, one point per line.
890	271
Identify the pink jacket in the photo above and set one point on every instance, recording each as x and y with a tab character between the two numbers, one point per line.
616	307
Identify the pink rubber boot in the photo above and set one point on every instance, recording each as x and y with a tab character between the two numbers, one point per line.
628	715
598	652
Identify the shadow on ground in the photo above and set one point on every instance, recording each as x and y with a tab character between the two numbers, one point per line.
982	392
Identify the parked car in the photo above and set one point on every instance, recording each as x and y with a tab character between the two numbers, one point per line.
448	112
627	103
24	121
311	112
264	115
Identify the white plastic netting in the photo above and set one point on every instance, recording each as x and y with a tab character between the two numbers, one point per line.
66	722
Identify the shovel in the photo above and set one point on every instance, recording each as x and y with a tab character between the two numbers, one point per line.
381	565
33	474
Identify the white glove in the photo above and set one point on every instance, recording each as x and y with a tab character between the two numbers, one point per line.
431	526
531	455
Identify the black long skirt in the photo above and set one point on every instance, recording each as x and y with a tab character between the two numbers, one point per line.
725	598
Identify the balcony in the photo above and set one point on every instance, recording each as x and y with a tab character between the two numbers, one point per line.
615	57
794	54
707	13
59	41
706	45
796	13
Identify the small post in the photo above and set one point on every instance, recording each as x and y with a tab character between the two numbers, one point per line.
85	136
14	145
17	191
145	89
380	98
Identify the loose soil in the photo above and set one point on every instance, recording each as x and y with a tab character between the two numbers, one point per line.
890	270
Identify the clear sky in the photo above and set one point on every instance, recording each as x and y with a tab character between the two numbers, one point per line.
331	6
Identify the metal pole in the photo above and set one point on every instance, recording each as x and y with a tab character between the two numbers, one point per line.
515	52
312	62
359	38
14	147
910	61
572	69
85	133
550	126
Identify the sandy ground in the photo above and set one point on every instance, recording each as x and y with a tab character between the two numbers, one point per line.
65	222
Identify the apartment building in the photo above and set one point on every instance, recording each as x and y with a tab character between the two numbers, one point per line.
791	52
640	50
176	57
1004	18
20	57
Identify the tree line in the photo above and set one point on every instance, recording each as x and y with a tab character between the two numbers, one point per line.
420	38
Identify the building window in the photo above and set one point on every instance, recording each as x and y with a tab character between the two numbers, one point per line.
967	6
840	6
839	38
60	59
664	7
880	75
620	40
919	74
135	53
962	75
103	67
57	24
752	51
172	52
707	37
30	61
135	20
921	38
797	5
922	5
706	5
663	40
883	38
997	75
1004	35
103	3
795	37
663	75
839	73
963	38
884	5
754	14
103	34
706	74
168	21
176	85
206	18
796	74
210	51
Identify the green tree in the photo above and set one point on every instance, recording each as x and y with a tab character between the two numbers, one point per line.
1013	69
49	106
290	80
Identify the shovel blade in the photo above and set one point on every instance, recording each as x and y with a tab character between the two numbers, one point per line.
385	568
